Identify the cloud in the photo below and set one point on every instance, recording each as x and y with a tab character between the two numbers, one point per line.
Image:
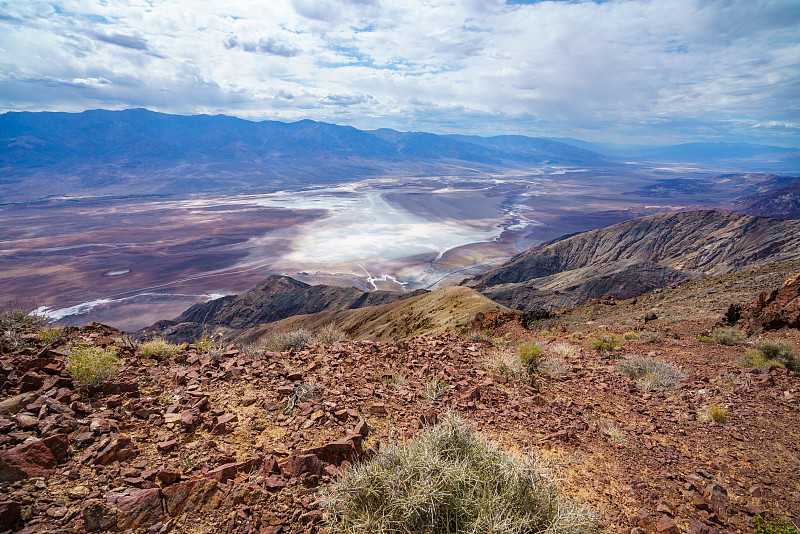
617	70
125	41
263	46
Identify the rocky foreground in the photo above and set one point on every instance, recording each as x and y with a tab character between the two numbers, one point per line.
237	440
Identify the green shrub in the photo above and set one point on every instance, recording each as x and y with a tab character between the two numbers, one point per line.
92	366
18	318
450	480
50	335
727	336
762	526
779	351
531	358
507	363
159	348
649	374
705	339
605	343
282	341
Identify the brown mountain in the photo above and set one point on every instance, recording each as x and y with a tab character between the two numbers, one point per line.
275	298
781	203
447	310
637	256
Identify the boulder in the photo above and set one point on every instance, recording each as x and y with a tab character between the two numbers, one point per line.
98	516
337	452
779	309
9	513
299	465
119	448
137	507
30	459
201	494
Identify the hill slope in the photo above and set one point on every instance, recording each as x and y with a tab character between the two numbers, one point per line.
447	310
636	256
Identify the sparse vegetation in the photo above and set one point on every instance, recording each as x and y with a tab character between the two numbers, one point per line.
50	335
92	366
18	318
159	348
282	341
778	352
648	373
450	481
476	336
531	357
562	348
554	365
209	344
615	434
724	336
717	413
328	335
303	392
434	389
762	526
605	342
506	362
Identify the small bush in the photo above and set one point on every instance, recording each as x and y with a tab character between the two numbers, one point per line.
478	337
507	363
159	348
630	336
328	335
649	374
303	392
92	366
576	336
563	348
434	389
50	335
779	351
554	366
762	526
209	344
605	343
705	339
18	318
755	358
614	433
727	336
717	413
452	481
531	358
282	341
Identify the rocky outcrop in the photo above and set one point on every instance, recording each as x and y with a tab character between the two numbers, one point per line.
779	309
633	257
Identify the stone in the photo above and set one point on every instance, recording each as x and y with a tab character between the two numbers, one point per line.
138	508
119	449
9	513
311	518
78	492
201	494
164	446
666	525
27	460
336	452
98	516
58	445
362	428
299	465
14	404
168	476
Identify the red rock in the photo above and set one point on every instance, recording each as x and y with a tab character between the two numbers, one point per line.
377	408
58	445
336	452
666	525
189	419
168	476
298	465
274	482
139	508
362	428
201	494
119	448
164	446
311	518
26	460
9	512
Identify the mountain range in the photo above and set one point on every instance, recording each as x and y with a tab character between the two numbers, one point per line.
136	151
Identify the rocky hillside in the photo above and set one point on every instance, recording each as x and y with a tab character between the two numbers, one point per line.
447	310
275	298
237	440
637	256
781	203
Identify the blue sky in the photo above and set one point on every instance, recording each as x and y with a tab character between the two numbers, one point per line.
627	71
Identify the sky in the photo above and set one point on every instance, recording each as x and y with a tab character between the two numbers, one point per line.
621	71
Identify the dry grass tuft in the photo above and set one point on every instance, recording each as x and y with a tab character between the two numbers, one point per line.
159	348
649	374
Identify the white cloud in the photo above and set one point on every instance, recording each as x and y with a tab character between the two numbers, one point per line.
622	70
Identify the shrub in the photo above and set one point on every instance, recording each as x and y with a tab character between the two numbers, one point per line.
92	366
282	341
779	351
605	343
209	343
762	526
328	335
727	336
554	366
562	348
303	392
18	318
477	336
649	374
434	389
705	339
531	358
50	335
630	336
717	413
507	363
450	480
159	348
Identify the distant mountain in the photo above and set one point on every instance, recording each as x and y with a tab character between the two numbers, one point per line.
276	297
781	203
139	151
633	257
